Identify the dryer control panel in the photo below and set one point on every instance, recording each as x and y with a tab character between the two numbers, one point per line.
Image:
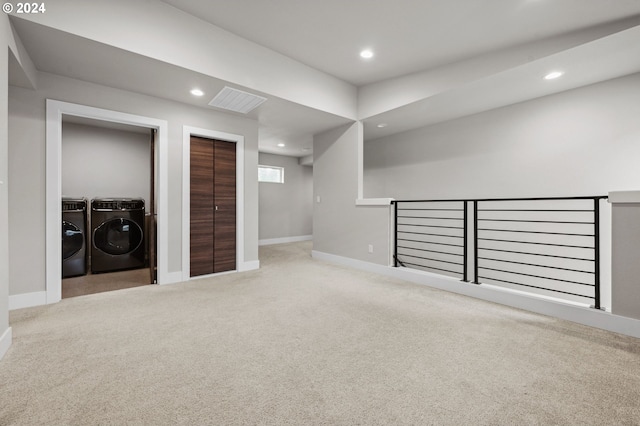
113	204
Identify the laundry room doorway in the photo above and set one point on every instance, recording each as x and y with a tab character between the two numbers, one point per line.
111	167
116	164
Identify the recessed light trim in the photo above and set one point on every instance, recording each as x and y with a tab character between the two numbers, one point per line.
553	75
281	145
366	54
197	92
382	125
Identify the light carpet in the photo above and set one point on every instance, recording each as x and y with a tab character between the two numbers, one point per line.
303	342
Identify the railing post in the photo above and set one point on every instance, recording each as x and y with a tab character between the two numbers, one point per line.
465	242
596	254
395	233
475	242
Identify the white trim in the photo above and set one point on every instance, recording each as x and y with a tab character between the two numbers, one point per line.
249	266
624	197
374	201
187	132
586	316
55	111
284	240
172	278
360	158
5	342
27	300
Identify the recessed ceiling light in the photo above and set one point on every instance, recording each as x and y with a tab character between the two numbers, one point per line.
366	54
197	92
381	125
553	75
281	145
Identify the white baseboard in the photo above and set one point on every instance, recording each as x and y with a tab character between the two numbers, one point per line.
5	342
270	241
249	266
172	278
27	300
570	312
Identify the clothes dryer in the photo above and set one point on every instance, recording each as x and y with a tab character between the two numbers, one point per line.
117	230
74	226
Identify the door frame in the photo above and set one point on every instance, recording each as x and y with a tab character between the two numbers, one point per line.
187	132
54	114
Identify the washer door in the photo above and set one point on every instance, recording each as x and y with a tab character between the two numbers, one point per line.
117	236
72	239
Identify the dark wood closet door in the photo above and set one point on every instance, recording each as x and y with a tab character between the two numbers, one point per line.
213	206
202	206
225	206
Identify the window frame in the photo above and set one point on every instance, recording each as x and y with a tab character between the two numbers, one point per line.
264	166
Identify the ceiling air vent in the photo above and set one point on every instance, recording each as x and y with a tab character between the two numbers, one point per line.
236	100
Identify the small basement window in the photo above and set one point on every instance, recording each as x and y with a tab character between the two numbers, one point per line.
271	174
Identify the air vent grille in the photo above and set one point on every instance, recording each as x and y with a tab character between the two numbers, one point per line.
236	100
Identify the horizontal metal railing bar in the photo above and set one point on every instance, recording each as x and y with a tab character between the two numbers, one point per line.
432	235
539	288
538	254
536	232
430	217
537	210
534	221
431	251
431	242
596	197
430	226
535	276
537	265
432	260
534	243
431	267
434	210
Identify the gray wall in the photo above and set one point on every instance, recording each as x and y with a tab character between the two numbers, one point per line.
27	166
4	178
580	142
339	227
102	162
626	268
286	210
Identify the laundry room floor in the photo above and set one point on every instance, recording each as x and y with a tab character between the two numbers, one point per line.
98	283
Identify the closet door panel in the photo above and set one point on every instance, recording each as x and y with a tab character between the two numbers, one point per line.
225	202
201	207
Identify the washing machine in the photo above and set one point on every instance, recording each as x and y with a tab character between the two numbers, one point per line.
74	247
117	236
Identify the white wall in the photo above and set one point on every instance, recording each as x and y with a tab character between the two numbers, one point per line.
286	210
98	162
27	166
581	142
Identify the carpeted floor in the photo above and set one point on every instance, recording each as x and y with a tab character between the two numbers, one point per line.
302	342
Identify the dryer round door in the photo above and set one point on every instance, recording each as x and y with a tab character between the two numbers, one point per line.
72	239
117	236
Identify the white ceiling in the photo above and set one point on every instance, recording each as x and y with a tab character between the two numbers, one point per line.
408	36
